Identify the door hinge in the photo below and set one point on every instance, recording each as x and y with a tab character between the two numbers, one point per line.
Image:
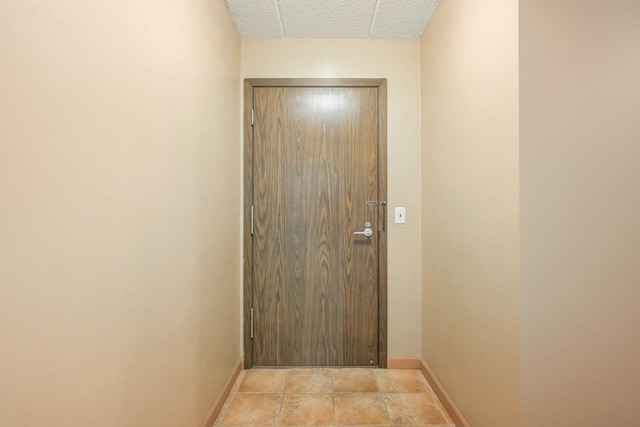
252	115
252	220
251	311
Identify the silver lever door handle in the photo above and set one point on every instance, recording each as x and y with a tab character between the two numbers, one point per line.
367	232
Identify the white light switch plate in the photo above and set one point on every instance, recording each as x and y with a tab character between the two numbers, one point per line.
401	215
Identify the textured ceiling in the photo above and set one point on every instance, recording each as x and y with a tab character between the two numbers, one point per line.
358	19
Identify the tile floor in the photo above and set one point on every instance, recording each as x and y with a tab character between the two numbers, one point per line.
332	397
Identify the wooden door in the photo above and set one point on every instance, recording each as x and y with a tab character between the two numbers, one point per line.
315	285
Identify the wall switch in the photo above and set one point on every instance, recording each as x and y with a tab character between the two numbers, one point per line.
401	215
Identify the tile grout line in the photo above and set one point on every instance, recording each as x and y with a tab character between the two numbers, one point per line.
384	401
284	388
333	400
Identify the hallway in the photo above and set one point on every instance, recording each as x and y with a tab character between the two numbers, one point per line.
513	151
332	397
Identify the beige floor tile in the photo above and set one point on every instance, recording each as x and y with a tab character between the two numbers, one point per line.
400	381
354	380
307	410
308	381
253	409
414	409
302	398
360	409
264	381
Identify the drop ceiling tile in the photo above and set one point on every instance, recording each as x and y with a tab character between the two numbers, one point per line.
256	18
327	18
401	18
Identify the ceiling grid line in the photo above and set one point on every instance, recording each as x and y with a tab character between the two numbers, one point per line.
373	18
279	17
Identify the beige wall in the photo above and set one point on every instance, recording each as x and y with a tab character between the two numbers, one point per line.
470	207
119	219
399	62
580	226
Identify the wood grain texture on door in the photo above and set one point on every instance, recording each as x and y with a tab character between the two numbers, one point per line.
315	285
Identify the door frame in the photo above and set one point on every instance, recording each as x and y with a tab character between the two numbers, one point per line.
249	85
